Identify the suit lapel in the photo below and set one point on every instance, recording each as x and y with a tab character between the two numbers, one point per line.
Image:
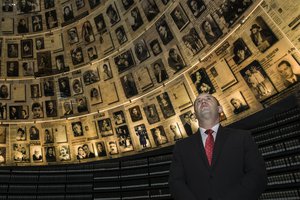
199	145
219	143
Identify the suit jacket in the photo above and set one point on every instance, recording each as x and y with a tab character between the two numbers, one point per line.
237	171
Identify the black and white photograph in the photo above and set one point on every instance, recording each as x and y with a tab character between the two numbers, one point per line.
35	91
197	7
151	114
129	85
121	35
135	113
100	23
150	9
159	135
28	68
90	76
160	71
37	110
2	155
193	42
237	102
28	6
51	19
240	51
36	153
77	56
49	4
15	112
175	132
124	138
127	4
82	104
95	95
261	35
7	6
142	134
164	31
51	108
5	92
94	3
60	64
48	85
77	87
105	127
3	113
189	122
67	108
64	87
288	69
101	149
44	63
165	2
67	11
155	47
87	32
39	43
20	153
165	105
37	23
92	53
112	14
27	48
84	151
210	30
77	129
258	81
119	117
12	68
124	61
64	153
21	133
135	19
106	71
73	35
179	17
34	133
23	26
175	60
141	50
79	4
202	82
50	154
12	50
112	147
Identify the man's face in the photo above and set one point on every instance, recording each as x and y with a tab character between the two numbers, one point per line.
78	56
207	26
113	147
86	149
194	5
285	71
235	103
206	107
177	14
156	48
37	111
77	128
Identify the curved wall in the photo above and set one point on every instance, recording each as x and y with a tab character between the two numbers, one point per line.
122	77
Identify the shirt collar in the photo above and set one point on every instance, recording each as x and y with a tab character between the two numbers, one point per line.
214	128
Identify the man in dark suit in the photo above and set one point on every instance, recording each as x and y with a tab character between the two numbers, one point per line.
216	163
286	72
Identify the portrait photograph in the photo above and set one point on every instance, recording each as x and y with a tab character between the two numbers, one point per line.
189	122
142	135
165	2
112	14
179	17
68	13
192	42
35	91
12	68
39	43
112	147
67	108
37	110
8	6
28	68
77	129
60	64
159	71
175	59
3	112
28	6
77	56
129	85
64	153
5	92
164	31
151	114
37	23
87	32
92	53
51	19
159	135
21	134
20	152
237	102
165	105
90	76
141	50
223	75
94	3
258	81
60	133
44	63
79	4
73	35
105	127
64	87
2	155
211	30
106	72
261	35
124	138
119	117
82	104
124	61
27	48
121	35
127	4
155	47
135	113
36	153
101	149
197	7
50	154
18	112
135	19
240	51
48	85
49	4
51	108
95	95
23	26
12	50
84	151
34	133
174	131
150	9
77	87
100	23
202	82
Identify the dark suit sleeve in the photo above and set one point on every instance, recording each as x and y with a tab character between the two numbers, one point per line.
177	183
255	177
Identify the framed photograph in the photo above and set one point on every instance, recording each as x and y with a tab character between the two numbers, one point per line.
50	154
95	95
112	147
77	129
36	153
44	63
64	87
124	61
106	71
202	82
37	23
67	108
21	134
196	7
151	114
60	133
79	4
7	6
34	133
48	85
27	48
64	152
3	113
121	35
92	53
210	30
142	135
77	56
60	64
84	151
51	19
35	91
12	50
90	76
119	117
39	43
100	23
179	17
144	79
155	47
164	31
77	87
159	135
2	155
105	127
67	11
193	42
165	105
141	50
189	122
82	104
289	70
12	68
37	110
240	51
175	132
135	113
20	152
223	75
5	92
175	59
73	35
150	9
94	3
127	4
135	19
160	71
237	102
23	26
112	14
24	7
180	96
258	81
124	138
49	4
261	35
129	85
28	68
51	108
101	149
87	32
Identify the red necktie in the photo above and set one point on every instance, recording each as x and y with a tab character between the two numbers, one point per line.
209	145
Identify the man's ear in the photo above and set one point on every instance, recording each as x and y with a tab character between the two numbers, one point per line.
220	109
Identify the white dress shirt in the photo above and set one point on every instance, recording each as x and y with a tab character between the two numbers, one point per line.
204	135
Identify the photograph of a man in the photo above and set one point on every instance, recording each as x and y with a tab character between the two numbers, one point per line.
287	74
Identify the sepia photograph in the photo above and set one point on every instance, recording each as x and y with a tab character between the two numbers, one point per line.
124	138
82	104
95	95
151	114
3	113
21	133
189	122
37	23
50	154
135	19
135	114
37	110
5	92
165	105
124	61
121	35
289	70
94	3
44	64
129	85
160	71
210	30
106	71
51	19
141	50
20	153
164	31
26	6
28	68
159	135
237	102
23	26
64	87
142	135
64	152
119	117
39	43
67	108
101	149
36	153
112	147
12	68
202	82
100	23
12	50
192	42
127	4
240	51
27	48
87	32
155	47
112	14
35	91
175	132
77	129
105	127
73	35
150	9
175	60
90	76
48	85
179	17
34	133
77	56
77	87
8	6
196	7
51	108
